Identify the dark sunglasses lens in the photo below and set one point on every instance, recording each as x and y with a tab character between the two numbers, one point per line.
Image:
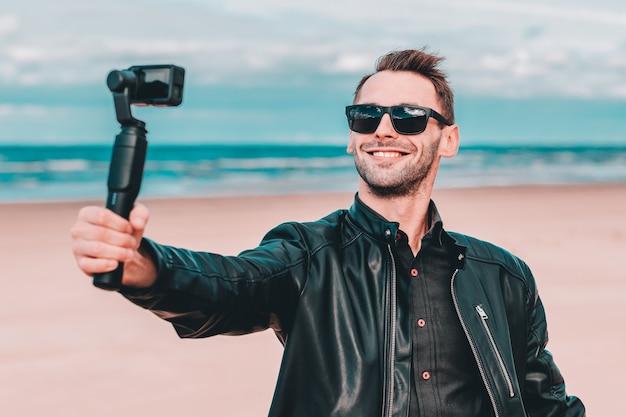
364	119
409	120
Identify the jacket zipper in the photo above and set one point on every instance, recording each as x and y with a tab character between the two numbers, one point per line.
481	367
484	317
392	341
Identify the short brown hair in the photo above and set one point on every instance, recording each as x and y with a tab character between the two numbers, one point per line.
420	62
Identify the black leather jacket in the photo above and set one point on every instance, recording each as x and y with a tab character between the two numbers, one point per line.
328	290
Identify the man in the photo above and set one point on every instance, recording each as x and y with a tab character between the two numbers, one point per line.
381	311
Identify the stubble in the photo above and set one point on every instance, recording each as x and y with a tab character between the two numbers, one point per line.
388	181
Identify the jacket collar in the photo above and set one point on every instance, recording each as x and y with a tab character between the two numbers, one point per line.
373	223
381	229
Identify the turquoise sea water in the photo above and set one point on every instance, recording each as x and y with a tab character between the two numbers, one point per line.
310	114
59	173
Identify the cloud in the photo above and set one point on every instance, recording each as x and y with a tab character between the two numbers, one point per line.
30	110
604	12
8	24
492	47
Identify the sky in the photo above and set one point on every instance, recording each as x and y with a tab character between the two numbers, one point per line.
531	72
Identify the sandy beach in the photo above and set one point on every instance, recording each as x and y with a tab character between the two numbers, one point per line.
68	349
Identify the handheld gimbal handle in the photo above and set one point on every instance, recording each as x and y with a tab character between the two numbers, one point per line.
125	175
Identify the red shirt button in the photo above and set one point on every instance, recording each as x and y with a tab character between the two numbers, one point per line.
426	375
421	322
414	272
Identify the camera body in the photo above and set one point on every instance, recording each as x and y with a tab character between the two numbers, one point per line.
149	85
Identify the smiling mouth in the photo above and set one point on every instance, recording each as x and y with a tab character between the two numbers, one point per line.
387	154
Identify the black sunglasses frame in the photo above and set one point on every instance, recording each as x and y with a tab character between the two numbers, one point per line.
389	110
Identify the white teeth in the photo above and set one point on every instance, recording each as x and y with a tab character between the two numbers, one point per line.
386	154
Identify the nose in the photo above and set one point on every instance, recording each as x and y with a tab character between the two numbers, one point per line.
385	127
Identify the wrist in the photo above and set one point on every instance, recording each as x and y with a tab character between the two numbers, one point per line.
141	271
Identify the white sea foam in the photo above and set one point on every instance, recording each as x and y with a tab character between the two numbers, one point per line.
53	173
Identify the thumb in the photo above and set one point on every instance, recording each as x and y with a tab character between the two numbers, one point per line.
139	219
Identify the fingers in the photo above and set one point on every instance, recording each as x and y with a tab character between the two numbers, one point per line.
97	224
91	266
101	238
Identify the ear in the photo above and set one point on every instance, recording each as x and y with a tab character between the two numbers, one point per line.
450	140
350	148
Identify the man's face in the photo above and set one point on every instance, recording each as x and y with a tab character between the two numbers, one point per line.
393	164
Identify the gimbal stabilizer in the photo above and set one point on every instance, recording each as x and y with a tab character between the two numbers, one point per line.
152	85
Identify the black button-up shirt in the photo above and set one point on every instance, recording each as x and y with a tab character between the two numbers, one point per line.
445	378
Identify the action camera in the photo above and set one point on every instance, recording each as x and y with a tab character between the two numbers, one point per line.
150	85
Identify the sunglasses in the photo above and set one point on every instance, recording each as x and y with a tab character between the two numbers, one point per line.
406	120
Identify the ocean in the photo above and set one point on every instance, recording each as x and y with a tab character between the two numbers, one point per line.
69	173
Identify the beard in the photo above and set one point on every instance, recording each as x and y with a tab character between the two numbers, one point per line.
385	180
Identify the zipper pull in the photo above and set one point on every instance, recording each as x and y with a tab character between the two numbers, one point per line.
481	312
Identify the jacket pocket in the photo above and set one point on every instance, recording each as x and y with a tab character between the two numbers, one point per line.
484	319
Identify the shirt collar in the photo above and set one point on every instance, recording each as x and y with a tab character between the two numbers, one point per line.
456	251
382	229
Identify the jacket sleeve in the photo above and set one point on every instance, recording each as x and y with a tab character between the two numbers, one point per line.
205	294
544	390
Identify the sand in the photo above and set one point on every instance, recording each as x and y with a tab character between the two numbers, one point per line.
69	349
